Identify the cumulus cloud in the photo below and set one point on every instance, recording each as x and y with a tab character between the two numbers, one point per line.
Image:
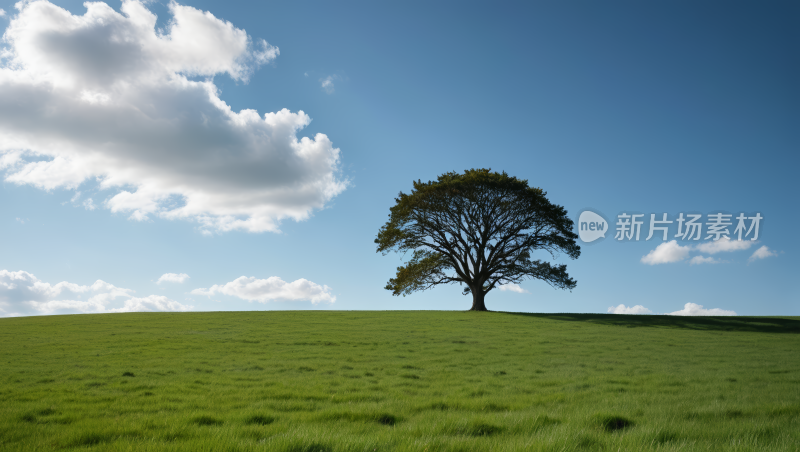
673	252
666	253
762	253
151	303
724	244
697	310
511	287
106	97
2	12
173	277
697	260
88	204
22	293
622	309
272	288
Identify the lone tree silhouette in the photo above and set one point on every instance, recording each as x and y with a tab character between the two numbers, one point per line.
477	229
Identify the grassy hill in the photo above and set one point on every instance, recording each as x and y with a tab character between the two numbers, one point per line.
398	381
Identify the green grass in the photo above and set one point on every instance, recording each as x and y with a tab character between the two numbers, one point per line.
398	381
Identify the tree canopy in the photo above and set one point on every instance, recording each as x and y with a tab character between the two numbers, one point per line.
478	229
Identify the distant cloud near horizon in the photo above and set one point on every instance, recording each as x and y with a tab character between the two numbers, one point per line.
270	289
22	293
106	98
693	309
622	309
173	277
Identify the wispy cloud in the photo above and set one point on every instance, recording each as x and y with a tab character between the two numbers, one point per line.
724	245
270	289
512	288
762	253
173	278
692	309
622	309
697	260
327	84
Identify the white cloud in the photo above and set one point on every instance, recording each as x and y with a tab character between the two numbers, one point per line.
724	245
622	309
666	253
2	12
151	303
104	96
88	204
762	253
697	310
173	277
697	260
272	288
327	84
22	293
513	288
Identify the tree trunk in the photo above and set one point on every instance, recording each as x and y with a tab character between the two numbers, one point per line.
477	301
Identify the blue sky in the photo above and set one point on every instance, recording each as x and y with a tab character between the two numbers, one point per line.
616	107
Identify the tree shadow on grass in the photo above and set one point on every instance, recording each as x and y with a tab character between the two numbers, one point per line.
740	324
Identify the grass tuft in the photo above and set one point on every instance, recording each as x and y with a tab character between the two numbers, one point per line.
313	447
259	419
89	439
386	419
480	428
128	374
665	436
207	420
611	423
587	442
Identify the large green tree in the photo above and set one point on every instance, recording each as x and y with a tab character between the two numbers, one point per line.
478	229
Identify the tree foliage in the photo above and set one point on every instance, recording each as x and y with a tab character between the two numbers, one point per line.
478	229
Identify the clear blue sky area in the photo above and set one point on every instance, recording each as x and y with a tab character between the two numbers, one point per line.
617	107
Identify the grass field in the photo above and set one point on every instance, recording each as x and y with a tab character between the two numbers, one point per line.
398	381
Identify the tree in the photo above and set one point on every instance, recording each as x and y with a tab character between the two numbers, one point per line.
478	229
